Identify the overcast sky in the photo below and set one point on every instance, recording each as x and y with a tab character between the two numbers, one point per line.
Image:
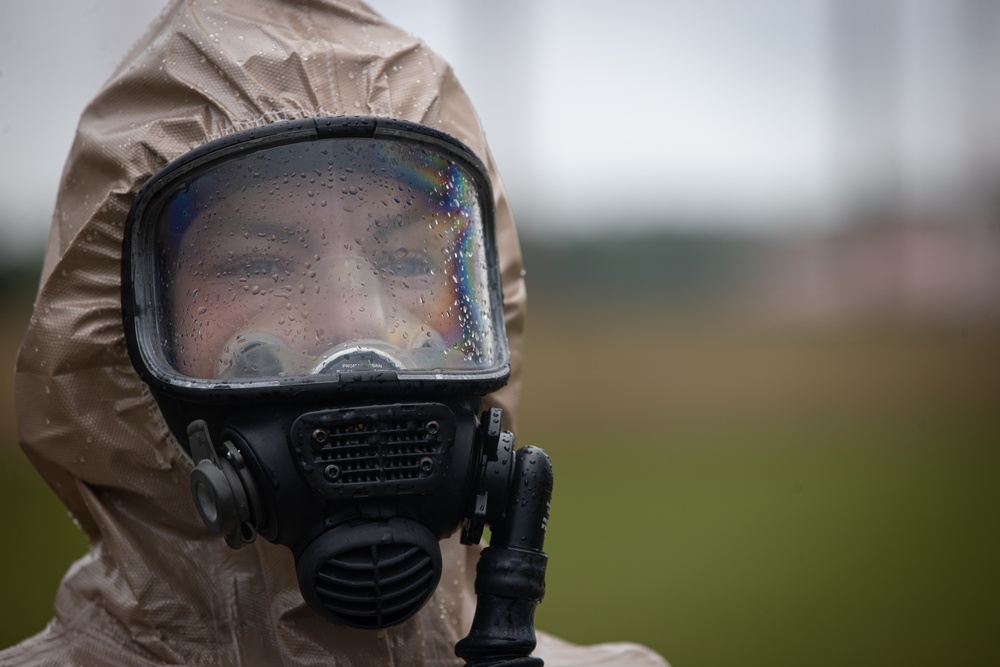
705	110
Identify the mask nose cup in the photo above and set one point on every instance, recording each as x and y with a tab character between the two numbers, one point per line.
370	575
358	357
256	354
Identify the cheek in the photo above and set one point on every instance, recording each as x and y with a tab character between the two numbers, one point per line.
442	317
205	318
436	309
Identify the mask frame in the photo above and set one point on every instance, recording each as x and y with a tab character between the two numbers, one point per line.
139	281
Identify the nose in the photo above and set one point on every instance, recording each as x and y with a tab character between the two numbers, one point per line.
340	298
335	300
319	319
331	302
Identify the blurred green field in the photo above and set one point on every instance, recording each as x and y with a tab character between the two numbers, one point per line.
724	493
779	499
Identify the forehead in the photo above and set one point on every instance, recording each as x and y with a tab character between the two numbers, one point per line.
355	186
276	210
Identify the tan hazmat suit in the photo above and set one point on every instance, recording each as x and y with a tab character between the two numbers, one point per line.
156	588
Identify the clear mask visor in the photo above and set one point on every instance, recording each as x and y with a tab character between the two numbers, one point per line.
340	255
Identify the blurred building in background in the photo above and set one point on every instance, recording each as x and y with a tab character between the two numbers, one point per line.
907	225
916	170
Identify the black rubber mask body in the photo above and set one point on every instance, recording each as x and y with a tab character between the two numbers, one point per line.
316	307
361	495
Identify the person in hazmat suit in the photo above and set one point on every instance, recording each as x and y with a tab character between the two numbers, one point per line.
249	153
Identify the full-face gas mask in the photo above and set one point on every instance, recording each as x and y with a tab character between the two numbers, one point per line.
316	306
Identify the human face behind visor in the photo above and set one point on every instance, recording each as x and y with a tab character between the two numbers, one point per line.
296	266
318	257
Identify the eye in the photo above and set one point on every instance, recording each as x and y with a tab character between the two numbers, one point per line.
412	266
407	265
264	265
253	264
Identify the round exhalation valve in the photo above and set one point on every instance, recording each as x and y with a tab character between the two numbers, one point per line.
370	575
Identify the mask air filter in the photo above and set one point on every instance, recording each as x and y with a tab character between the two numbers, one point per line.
370	575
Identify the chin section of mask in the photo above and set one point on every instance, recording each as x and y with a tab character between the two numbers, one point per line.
363	494
370	575
258	355
402	467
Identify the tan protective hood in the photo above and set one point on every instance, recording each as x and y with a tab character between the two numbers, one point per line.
156	588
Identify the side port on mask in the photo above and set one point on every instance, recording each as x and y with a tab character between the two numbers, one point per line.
223	489
494	475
